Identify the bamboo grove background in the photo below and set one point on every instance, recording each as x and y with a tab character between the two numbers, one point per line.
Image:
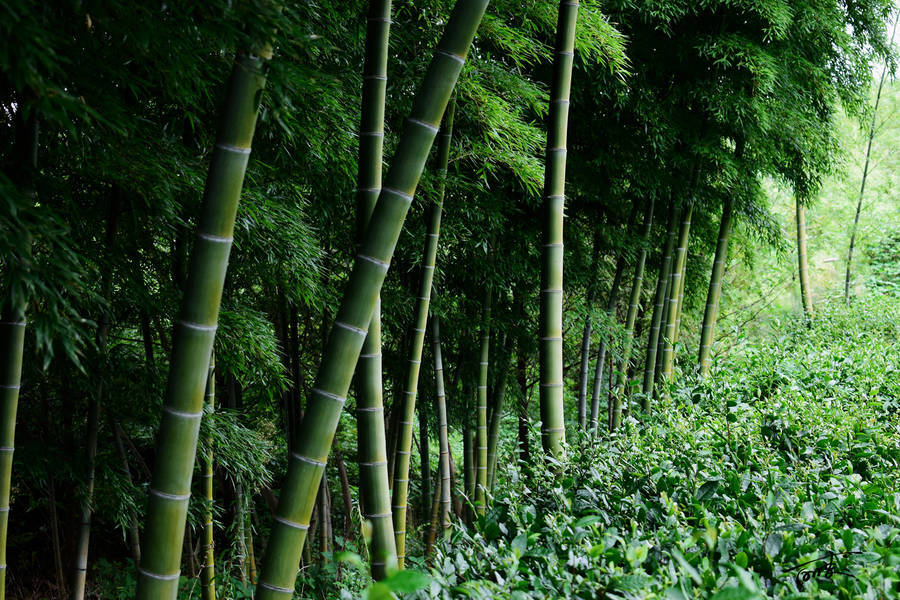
197	225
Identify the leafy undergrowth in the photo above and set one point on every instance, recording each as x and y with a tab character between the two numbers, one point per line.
779	477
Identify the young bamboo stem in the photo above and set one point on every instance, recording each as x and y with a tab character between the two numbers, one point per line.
803	262
711	313
668	363
443	433
656	320
481	444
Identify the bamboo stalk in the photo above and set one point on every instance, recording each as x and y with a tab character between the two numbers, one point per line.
12	337
207	547
586	334
653	338
668	363
803	262
611	303
443	434
553	429
711	313
306	464
481	444
633	304
194	333
499	397
374	486
429	256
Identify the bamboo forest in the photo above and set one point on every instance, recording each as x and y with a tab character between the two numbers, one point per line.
449	299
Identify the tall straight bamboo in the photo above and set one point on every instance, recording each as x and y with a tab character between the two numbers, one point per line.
327	397
659	299
426	277
12	338
481	442
668	359
499	397
195	331
443	437
865	173
553	430
611	303
207	546
711	313
633	304
802	261
374	486
586	334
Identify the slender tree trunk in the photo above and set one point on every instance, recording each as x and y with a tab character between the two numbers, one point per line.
443	432
251	555
424	459
134	540
499	396
668	365
665	267
601	358
82	544
803	263
708	329
433	525
374	485
207	546
586	335
553	430
306	464
194	333
865	173
522	375
12	336
633	304
681	284
469	469
401	480
481	434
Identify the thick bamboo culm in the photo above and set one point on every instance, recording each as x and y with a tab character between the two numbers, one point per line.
668	359
328	394
195	331
374	486
553	430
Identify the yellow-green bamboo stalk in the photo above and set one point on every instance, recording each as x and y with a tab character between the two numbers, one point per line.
586	334
611	303
316	432
12	338
404	444
633	304
207	546
708	329
443	434
553	422
481	443
803	262
668	364
374	488
499	397
659	305
195	331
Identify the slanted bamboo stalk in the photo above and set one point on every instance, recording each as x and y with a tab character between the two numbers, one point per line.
865	173
401	478
374	485
611	303
194	334
316	432
481	443
553	430
668	364
665	267
803	262
711	313
586	335
633	304
443	434
207	546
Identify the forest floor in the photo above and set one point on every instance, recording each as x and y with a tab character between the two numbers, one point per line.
779	477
